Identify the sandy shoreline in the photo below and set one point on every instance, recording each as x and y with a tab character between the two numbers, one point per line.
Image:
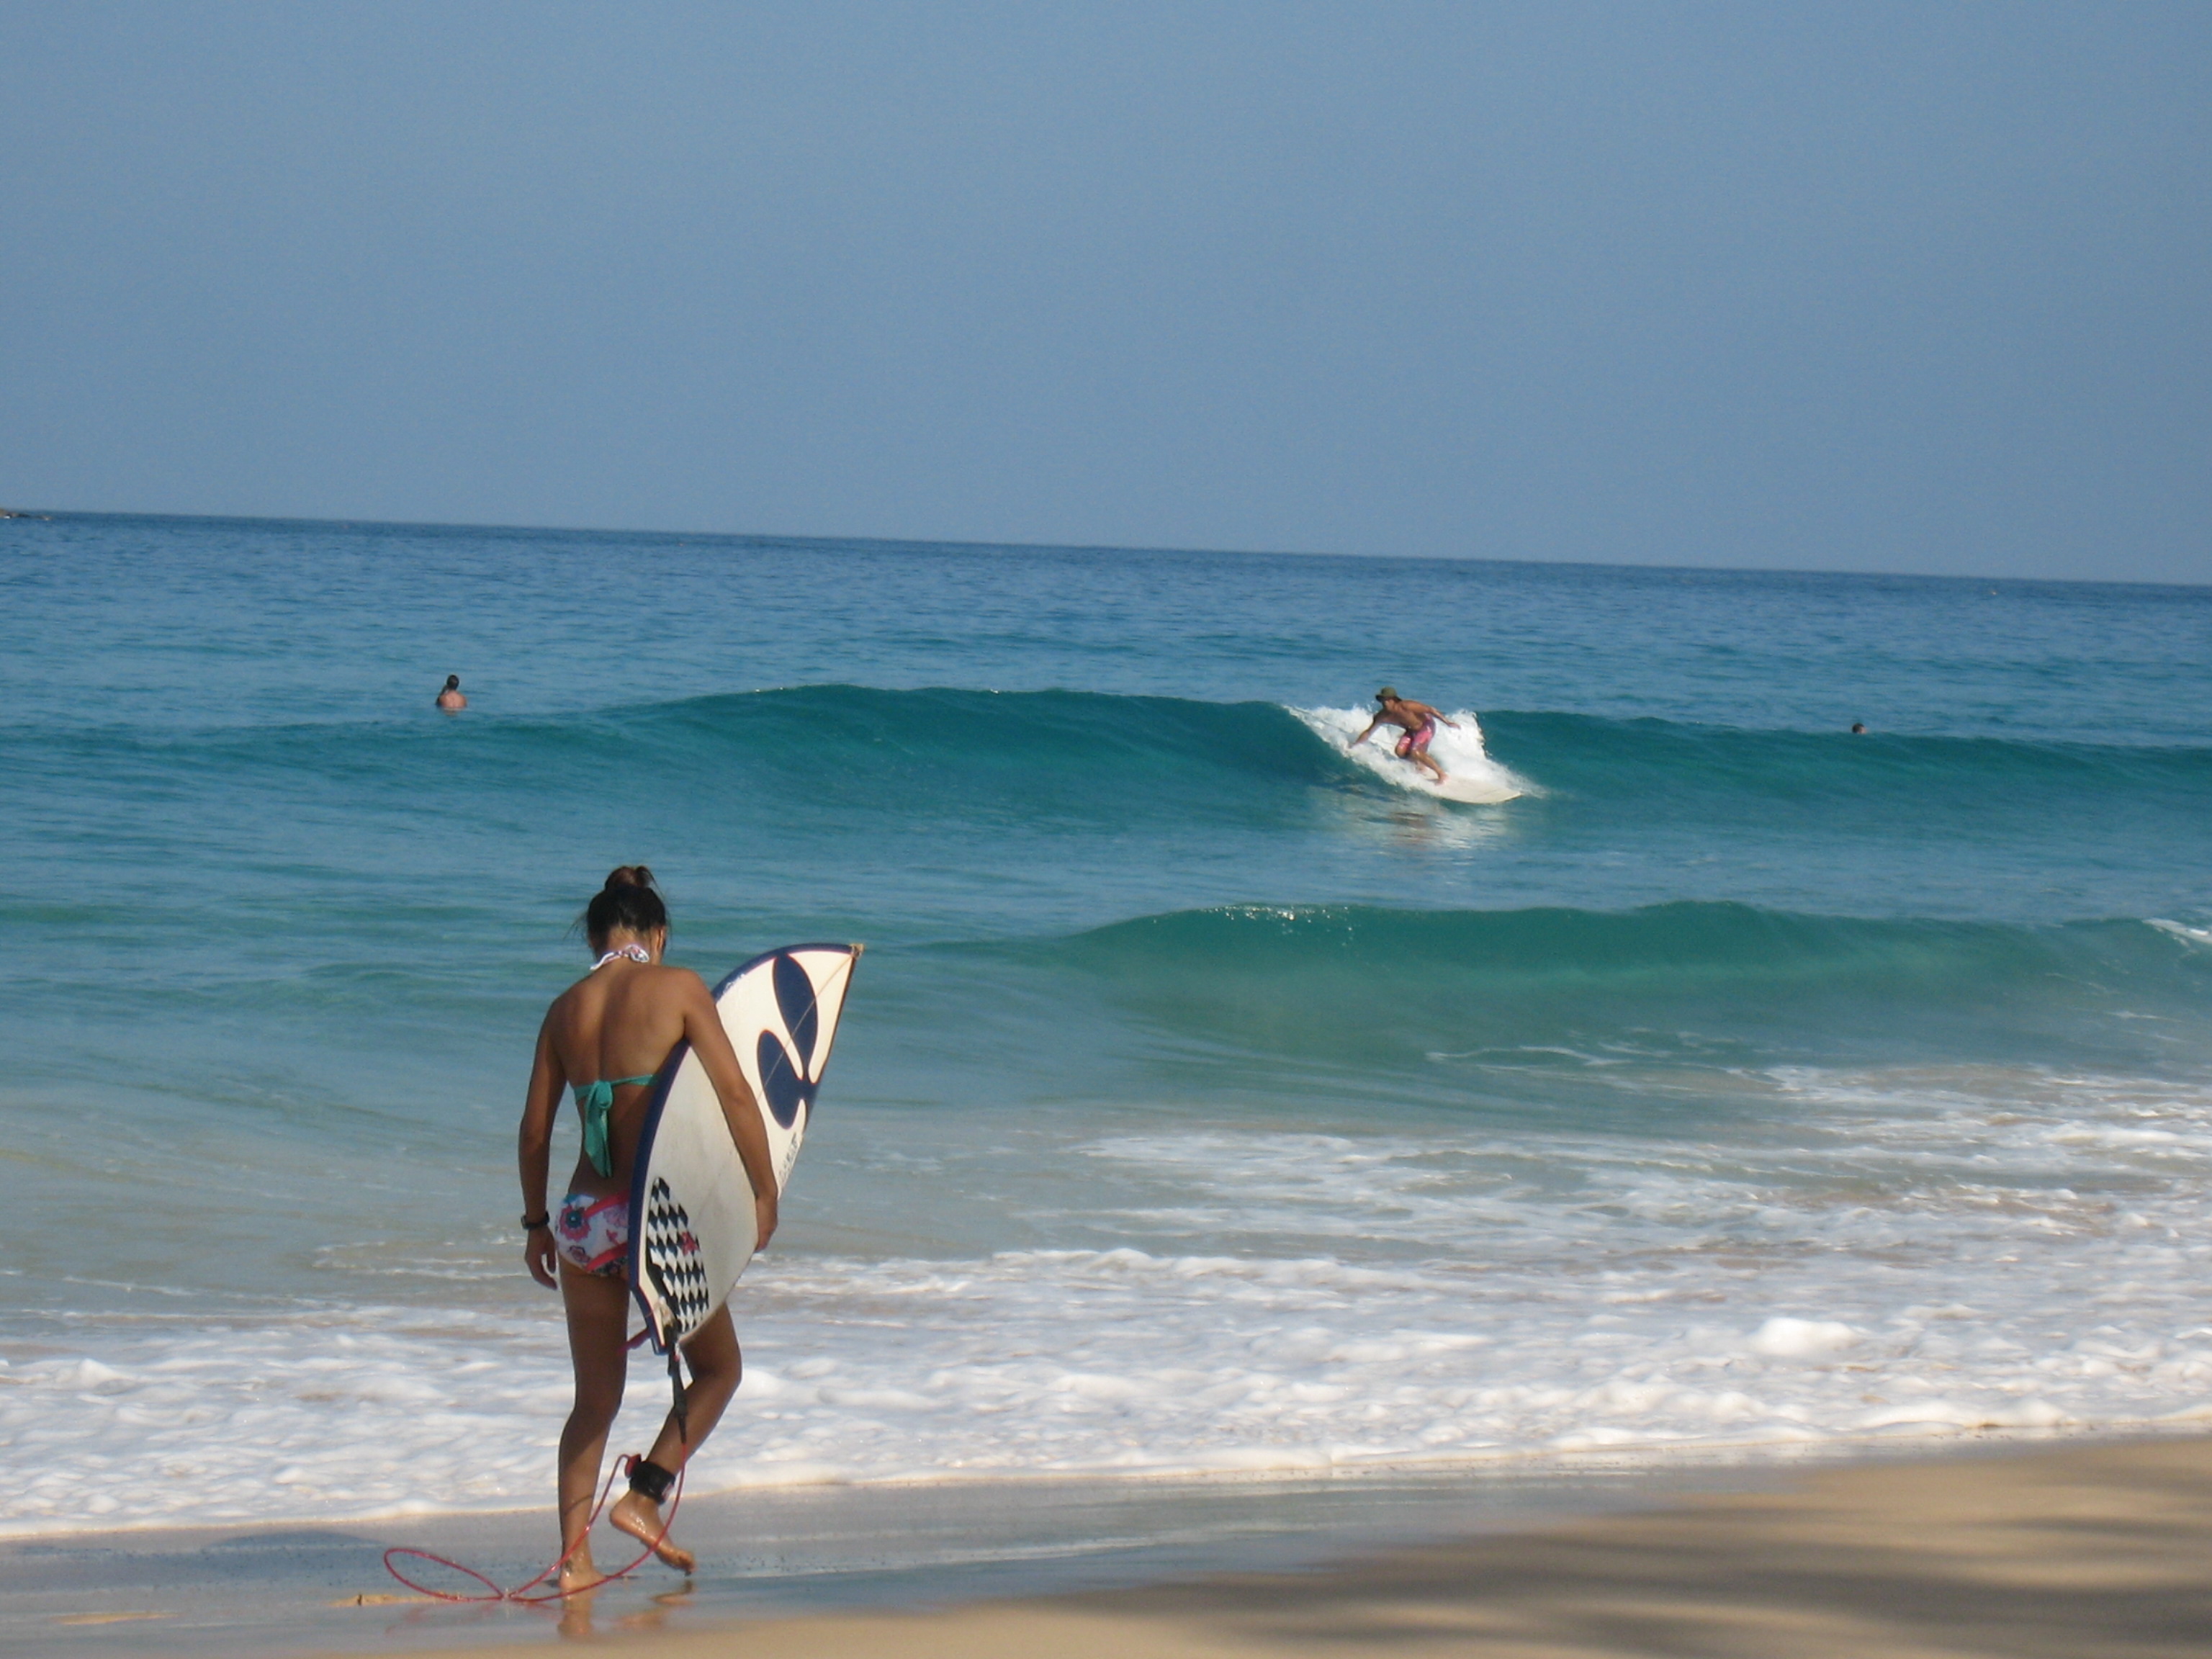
2075	1548
774	1552
2085	1550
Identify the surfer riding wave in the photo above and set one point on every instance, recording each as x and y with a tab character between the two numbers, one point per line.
605	1037
1418	723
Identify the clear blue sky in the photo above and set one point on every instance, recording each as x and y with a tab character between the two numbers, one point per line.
1916	287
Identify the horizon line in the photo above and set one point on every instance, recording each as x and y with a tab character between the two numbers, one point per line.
760	538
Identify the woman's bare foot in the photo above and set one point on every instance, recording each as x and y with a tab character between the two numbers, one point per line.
639	1517
578	1574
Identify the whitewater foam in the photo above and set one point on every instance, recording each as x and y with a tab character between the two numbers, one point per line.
1926	1253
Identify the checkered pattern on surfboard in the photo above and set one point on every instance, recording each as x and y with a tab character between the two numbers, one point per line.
672	1263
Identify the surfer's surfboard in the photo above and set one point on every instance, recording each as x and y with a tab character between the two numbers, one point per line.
1471	791
691	1207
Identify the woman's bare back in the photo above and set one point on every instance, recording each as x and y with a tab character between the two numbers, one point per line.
619	1021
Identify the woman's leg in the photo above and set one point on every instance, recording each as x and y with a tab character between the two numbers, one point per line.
717	1366
598	1310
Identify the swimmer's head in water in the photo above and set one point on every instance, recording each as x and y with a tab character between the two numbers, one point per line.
1388	694
453	682
628	901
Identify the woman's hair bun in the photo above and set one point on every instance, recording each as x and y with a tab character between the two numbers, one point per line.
629	899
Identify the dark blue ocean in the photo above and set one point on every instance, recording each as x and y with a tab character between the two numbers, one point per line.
1208	1100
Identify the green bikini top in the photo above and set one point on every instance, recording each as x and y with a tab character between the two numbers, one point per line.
595	1101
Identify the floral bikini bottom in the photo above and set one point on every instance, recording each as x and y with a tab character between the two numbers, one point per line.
593	1233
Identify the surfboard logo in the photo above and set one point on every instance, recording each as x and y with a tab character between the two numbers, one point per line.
789	1078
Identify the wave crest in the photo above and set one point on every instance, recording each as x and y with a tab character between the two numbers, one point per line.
1712	982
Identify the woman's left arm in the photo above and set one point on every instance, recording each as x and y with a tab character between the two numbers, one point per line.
534	1153
702	1029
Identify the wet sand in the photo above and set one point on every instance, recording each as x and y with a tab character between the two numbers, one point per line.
2092	1549
2103	1551
774	1553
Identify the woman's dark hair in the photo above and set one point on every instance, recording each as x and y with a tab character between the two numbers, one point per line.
629	899
453	682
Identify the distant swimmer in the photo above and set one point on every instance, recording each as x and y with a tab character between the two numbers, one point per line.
450	699
1417	720
1858	728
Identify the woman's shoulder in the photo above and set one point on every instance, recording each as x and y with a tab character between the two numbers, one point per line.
662	980
566	1000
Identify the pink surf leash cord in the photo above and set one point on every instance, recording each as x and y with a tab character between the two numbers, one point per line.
529	1593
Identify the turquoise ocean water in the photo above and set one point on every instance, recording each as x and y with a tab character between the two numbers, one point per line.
1207	1102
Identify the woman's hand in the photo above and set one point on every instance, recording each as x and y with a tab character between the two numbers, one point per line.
537	1254
764	1218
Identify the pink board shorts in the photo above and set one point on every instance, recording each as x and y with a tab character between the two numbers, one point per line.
1416	742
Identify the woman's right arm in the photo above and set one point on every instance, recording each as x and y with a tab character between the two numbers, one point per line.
534	1153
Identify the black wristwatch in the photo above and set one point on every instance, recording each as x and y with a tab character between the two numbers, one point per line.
530	1226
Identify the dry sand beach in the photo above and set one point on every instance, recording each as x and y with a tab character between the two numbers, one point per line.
2090	1552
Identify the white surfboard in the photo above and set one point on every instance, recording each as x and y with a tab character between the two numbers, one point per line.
691	1206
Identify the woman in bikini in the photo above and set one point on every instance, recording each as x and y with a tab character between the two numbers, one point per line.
604	1037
